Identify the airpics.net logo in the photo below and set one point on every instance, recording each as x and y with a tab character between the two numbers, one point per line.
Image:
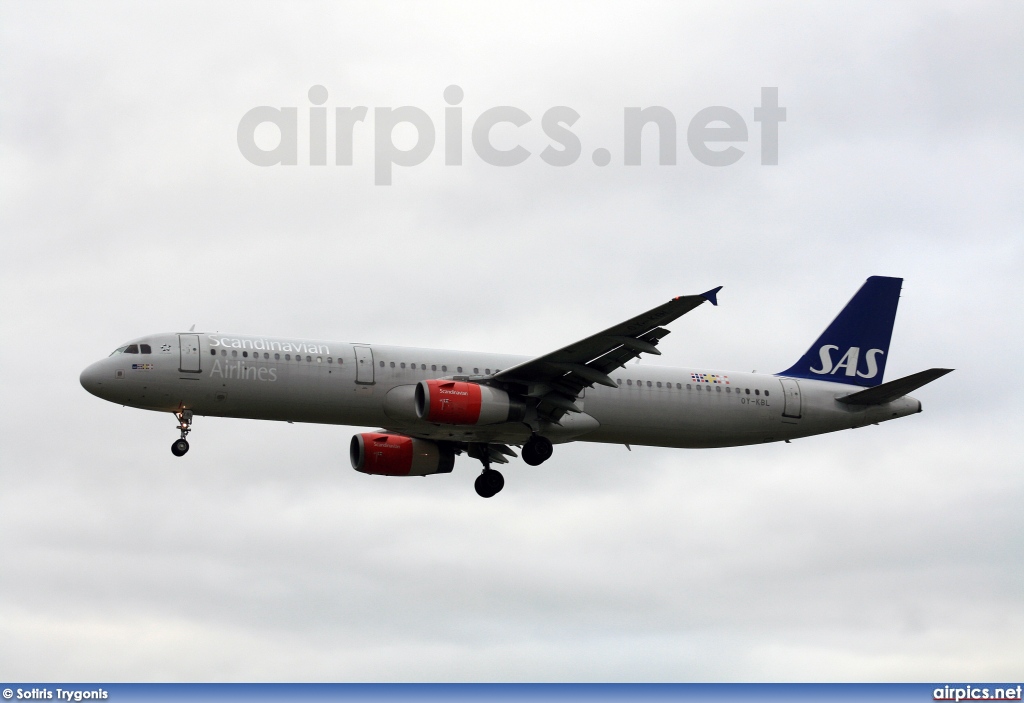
711	134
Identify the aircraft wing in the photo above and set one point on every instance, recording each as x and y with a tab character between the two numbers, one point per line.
557	378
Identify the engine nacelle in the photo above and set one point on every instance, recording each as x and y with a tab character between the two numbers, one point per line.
464	403
397	455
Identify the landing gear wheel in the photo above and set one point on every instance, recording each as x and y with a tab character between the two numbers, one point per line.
179	447
537	450
489	483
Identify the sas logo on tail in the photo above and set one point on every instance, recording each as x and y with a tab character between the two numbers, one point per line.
848	362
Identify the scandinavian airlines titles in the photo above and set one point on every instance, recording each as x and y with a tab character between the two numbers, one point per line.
243	371
268	345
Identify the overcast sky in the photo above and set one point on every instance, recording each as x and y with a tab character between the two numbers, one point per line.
885	553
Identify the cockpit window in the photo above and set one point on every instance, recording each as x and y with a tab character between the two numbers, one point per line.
131	349
119	350
146	349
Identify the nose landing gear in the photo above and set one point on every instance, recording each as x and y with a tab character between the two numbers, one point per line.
180	446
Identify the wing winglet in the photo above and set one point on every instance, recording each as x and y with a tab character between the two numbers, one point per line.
712	296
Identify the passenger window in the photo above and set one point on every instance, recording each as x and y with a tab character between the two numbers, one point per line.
648	384
618	381
444	368
460	369
766	392
403	364
487	371
287	357
223	352
331	361
718	388
728	390
699	388
707	388
266	355
245	354
277	356
308	358
146	349
392	364
757	391
476	370
659	384
688	387
131	349
679	386
423	367
747	391
433	367
382	364
213	352
234	352
629	382
320	360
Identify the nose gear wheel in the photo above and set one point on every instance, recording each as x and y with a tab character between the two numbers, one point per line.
180	446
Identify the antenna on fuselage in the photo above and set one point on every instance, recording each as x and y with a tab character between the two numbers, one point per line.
192	328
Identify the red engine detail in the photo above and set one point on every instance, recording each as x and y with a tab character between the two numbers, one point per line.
398	455
449	402
464	403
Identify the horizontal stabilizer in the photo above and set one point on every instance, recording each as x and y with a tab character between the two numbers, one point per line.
888	392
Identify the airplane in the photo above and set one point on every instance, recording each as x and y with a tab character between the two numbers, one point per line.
435	404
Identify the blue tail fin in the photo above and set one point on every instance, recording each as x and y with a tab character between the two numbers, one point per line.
855	346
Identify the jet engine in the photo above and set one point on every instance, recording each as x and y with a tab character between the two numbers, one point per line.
397	455
464	403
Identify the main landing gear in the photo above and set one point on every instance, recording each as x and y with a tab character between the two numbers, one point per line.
537	450
180	446
489	482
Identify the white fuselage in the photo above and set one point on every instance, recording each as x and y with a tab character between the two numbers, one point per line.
372	386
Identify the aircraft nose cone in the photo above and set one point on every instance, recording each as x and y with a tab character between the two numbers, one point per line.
90	379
